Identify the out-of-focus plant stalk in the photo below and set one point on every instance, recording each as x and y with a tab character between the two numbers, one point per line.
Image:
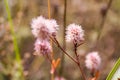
64	43
104	15
12	31
52	54
16	48
49	12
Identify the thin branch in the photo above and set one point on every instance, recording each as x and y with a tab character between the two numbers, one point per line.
49	59
80	44
78	62
104	19
57	43
77	56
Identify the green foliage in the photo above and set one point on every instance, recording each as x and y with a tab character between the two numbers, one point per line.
114	73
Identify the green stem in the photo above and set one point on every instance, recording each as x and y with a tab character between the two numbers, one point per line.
16	49
17	55
117	65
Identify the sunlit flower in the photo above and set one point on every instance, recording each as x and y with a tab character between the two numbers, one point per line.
42	47
93	61
74	33
43	28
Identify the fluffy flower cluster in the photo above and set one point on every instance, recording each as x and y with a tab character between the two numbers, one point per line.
74	33
43	47
93	61
43	28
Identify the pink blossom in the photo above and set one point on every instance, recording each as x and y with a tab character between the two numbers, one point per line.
39	28
74	33
42	47
59	78
52	26
93	61
42	28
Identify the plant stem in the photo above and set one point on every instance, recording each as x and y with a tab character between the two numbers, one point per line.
104	19
78	62
16	48
57	43
49	16
17	54
49	59
64	43
65	12
75	60
52	78
52	54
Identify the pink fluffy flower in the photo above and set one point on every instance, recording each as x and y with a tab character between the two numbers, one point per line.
39	28
93	61
74	33
59	78
52	26
42	28
42	47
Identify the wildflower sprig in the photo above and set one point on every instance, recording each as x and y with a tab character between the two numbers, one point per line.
45	30
93	63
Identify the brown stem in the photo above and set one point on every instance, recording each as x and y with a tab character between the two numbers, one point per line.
49	16
97	74
57	43
78	62
75	60
80	44
49	59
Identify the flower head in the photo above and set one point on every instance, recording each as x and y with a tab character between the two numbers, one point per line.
42	28
93	61
39	28
59	78
52	26
42	47
74	33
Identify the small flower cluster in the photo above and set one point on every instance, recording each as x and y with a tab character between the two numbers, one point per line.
74	33
42	29
93	61
42	46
